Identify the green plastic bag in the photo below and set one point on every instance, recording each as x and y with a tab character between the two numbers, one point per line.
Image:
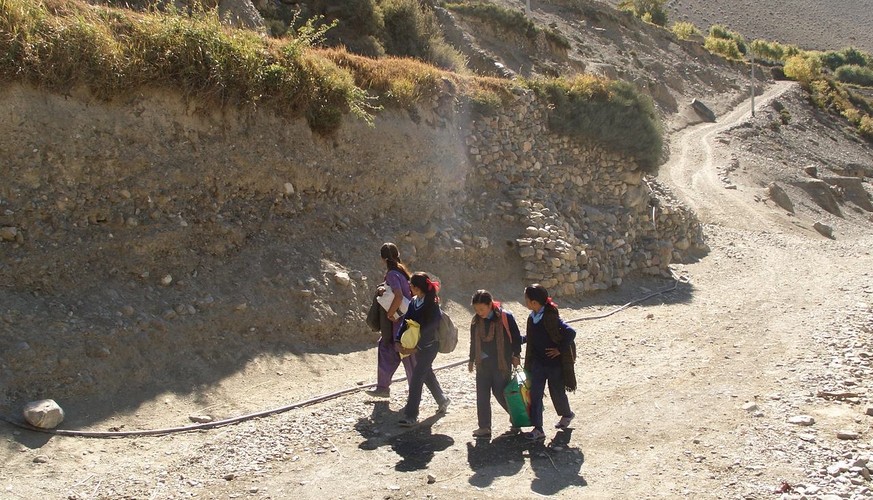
519	408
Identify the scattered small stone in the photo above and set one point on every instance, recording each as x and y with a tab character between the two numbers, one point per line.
824	229
229	477
431	479
342	279
869	411
804	420
8	233
200	419
393	487
40	459
750	407
166	280
809	438
847	435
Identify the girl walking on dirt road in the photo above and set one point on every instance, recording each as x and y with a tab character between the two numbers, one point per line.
549	358
397	279
495	347
425	310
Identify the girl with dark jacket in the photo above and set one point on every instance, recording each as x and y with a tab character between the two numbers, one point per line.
549	358
495	347
425	310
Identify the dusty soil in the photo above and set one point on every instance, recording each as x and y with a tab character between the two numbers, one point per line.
687	394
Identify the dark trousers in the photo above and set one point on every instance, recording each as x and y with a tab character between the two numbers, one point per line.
540	374
489	381
423	375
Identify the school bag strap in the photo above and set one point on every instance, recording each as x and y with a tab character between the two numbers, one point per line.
505	322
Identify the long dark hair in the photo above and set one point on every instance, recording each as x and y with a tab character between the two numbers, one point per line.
391	254
538	293
430	288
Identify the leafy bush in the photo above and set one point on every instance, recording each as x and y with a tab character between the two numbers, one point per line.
772	51
852	73
723	47
412	30
718	31
847	56
684	30
510	20
611	112
831	96
865	127
651	11
803	68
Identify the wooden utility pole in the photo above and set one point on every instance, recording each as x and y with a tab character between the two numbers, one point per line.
753	81
527	8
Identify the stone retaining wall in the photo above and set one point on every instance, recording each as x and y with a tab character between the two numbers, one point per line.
589	214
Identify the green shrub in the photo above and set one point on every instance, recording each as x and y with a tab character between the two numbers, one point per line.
610	112
722	46
412	30
684	30
111	51
865	127
720	32
650	11
829	95
772	51
803	68
858	75
513	21
847	56
485	102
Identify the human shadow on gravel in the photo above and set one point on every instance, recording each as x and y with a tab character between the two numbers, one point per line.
489	459
416	446
557	465
368	427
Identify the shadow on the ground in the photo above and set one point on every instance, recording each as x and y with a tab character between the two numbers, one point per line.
557	465
416	446
489	459
138	359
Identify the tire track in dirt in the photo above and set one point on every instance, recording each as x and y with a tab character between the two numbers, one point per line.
691	170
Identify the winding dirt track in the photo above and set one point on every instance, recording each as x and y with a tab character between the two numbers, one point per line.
691	170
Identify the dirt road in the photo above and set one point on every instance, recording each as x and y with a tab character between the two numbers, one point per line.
687	395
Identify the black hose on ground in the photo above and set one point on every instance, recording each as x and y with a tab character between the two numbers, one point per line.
207	425
676	281
293	406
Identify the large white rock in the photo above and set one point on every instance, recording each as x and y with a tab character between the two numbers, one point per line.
45	414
